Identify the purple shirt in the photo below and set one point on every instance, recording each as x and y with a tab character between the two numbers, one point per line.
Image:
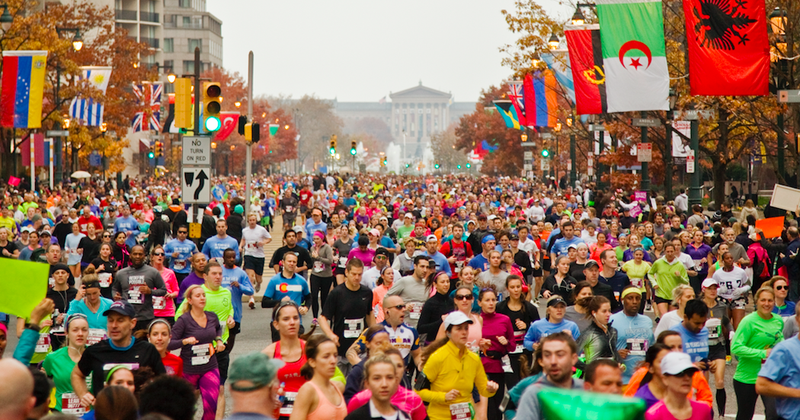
365	256
628	255
644	393
190	280
698	254
197	358
494	325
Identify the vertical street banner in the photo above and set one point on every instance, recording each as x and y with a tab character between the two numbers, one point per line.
88	111
728	47
529	98
634	55
588	75
544	87
22	88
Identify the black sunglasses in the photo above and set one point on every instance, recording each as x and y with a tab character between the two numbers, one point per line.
464	297
158	254
183	231
400	307
781	287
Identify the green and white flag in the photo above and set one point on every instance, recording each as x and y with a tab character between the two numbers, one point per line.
634	55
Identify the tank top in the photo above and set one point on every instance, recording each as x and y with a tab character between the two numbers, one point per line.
325	409
291	378
475	333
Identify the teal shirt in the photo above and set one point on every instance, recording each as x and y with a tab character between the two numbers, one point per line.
96	319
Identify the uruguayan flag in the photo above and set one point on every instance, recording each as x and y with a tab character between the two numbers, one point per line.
89	111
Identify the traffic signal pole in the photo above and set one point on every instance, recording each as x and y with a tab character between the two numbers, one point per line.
249	157
197	95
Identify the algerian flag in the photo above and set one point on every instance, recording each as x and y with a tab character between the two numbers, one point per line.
634	55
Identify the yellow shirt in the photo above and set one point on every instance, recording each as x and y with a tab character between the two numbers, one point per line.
636	272
8	222
447	370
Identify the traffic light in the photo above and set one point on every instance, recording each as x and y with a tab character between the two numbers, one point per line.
159	149
385	161
212	105
436	165
150	153
407	165
469	165
241	122
333	145
458	166
183	103
252	132
353	148
545	152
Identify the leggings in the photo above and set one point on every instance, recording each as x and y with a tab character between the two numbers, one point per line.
320	286
493	408
746	397
208	384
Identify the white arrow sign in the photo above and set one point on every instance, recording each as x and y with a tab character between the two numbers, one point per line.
196	186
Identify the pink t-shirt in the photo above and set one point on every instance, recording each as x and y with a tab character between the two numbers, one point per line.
168	303
365	256
404	399
659	411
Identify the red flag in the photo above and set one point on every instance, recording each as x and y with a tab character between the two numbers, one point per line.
230	122
25	150
586	60
728	47
529	97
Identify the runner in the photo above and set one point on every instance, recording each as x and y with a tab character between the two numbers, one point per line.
635	331
318	398
254	238
238	282
159	334
178	251
164	306
138	284
59	365
291	350
92	306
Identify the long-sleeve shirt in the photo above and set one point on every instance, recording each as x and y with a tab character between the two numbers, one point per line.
431	317
449	368
323	262
543	328
700	392
230	275
595	344
495	325
219	302
750	343
127	283
165	306
197	358
667	276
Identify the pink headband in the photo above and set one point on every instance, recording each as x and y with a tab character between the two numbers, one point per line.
320	234
4	328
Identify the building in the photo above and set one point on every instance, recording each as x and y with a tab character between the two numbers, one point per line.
187	25
412	115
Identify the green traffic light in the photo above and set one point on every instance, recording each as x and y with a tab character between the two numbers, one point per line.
353	152
151	155
333	151
213	124
458	166
545	153
469	165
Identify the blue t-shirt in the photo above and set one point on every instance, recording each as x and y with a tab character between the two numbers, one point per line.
786	310
215	247
695	345
296	288
312	227
245	288
185	250
96	320
479	262
561	246
441	262
635	334
124	224
542	328
783	367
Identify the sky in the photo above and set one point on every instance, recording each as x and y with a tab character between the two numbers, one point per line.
361	50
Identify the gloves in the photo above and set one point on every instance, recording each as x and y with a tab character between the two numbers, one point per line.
737	293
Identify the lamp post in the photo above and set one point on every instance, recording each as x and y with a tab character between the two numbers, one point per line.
77	45
777	26
673	98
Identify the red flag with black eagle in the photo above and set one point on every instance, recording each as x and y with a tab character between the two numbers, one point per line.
728	47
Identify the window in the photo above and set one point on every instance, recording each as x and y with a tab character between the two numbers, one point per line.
187	21
188	66
169	65
169	45
195	43
185	3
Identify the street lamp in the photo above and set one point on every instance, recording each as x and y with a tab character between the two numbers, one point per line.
578	18
536	59
553	41
524	138
171	77
5	19
777	26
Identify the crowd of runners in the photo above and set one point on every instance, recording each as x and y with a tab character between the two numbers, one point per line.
445	298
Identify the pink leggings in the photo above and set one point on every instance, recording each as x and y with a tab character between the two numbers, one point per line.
208	384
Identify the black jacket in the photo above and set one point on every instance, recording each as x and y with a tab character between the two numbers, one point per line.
431	316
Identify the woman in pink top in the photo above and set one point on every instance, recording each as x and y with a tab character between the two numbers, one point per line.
465	305
406	400
677	371
384	283
164	306
362	251
318	399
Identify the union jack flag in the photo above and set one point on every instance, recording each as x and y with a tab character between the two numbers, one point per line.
515	95
149	96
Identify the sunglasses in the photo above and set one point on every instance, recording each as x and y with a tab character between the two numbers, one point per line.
399	307
182	232
464	297
381	257
158	254
684	374
781	287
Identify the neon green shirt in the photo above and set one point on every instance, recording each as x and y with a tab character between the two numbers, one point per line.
218	302
750	343
667	276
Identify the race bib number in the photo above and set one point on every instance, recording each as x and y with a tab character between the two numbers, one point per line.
58	327
343	262
416	310
518	349
318	266
201	354
740	303
459	266
637	282
714	327
352	328
71	404
51	282
95	336
460	411
105	279
43	344
134	295
637	346
288	404
289	209
159	302
179	264
507	364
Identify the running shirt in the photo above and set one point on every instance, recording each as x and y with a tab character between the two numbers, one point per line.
347	321
100	358
290	378
215	247
694	344
732	284
185	250
251	237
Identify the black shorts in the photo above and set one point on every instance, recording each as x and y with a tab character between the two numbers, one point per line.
717	352
739	303
537	272
236	329
545	263
662	300
223	360
254	263
338	270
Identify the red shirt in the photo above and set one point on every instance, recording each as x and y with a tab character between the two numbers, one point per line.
83	221
173	364
304	197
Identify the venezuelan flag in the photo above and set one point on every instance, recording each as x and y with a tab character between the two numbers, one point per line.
22	88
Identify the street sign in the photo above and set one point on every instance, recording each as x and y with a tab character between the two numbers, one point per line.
545	164
789	96
529	144
690	163
197	151
528	155
528	166
596	127
569	164
57	133
530	174
546	136
646	122
696	114
644	152
195	185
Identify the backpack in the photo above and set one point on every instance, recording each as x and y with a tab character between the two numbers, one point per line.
761	265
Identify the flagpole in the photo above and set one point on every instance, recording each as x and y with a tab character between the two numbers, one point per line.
50	143
33	162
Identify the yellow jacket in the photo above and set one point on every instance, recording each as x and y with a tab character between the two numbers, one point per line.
447	370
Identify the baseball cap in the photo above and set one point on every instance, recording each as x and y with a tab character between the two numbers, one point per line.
28	229
470	221
491	217
591	264
374	232
709	282
431	238
256	368
572	246
409	216
513	237
456	318
298	229
675	363
555	300
382	251
121	307
487	238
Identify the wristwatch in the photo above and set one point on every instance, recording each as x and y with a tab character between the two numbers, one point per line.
33	327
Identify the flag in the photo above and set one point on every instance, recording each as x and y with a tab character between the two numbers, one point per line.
586	62
515	94
561	66
22	88
544	88
41	150
88	111
509	113
634	54
230	122
149	116
728	47
529	96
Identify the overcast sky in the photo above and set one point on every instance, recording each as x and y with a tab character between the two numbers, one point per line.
361	50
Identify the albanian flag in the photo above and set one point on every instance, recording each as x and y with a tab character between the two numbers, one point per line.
728	47
588	74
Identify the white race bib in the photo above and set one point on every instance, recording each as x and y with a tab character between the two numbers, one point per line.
71	404
507	364
637	346
201	354
352	328
288	404
342	262
95	336
460	411
318	266
43	344
159	302
637	282
714	327
105	279
179	264
416	310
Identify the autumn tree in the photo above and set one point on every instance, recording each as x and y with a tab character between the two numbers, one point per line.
316	122
372	126
446	152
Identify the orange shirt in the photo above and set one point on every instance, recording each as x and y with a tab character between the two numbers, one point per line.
700	388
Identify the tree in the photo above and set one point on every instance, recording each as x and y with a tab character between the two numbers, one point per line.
375	127
316	123
445	150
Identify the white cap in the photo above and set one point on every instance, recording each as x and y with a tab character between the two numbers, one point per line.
675	363
456	318
709	282
491	217
431	238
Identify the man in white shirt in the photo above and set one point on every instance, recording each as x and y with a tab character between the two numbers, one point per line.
381	259
535	213
682	201
254	237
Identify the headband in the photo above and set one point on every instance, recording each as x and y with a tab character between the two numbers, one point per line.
113	371
630	290
159	321
74	317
